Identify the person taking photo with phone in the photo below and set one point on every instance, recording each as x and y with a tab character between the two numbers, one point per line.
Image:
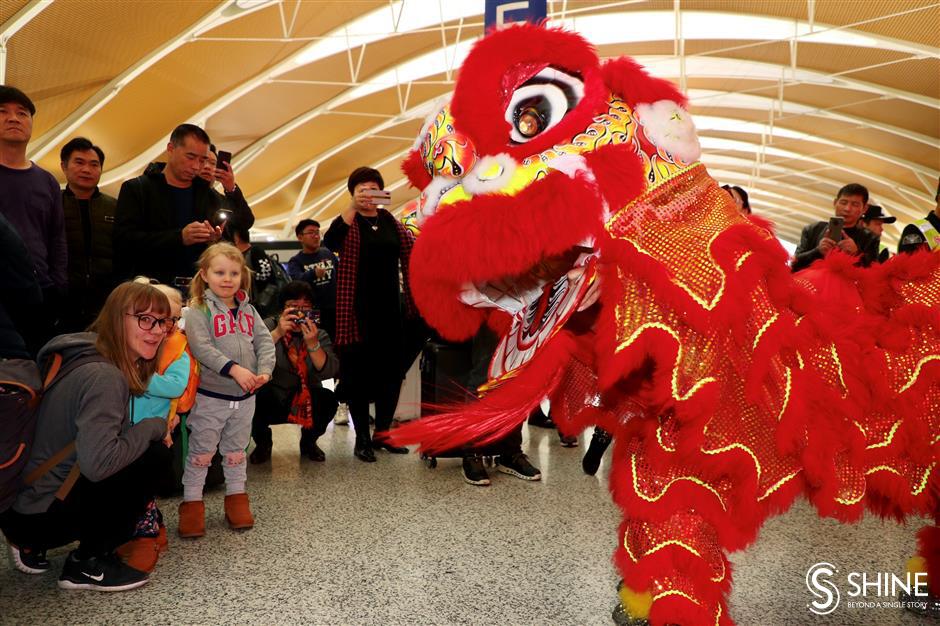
168	216
843	232
218	172
369	308
304	358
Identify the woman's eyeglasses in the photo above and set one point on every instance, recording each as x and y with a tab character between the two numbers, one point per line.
147	322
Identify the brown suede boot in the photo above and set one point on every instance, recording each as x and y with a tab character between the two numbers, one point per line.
162	540
237	512
192	519
140	553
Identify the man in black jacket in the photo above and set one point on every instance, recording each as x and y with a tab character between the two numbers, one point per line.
89	223
165	219
815	242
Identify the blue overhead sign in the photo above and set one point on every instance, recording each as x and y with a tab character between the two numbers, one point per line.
501	12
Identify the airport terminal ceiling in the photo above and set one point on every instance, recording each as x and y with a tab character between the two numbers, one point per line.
792	98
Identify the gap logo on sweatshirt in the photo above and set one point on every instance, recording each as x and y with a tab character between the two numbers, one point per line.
224	324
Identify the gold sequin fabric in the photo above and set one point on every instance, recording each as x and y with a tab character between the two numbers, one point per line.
744	390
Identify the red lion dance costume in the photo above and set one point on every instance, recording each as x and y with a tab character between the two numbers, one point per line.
730	385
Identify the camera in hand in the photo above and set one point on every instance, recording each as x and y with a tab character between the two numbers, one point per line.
220	217
302	315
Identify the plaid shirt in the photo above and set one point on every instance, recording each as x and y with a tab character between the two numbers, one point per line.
347	326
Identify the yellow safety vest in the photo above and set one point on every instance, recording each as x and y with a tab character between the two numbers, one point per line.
929	232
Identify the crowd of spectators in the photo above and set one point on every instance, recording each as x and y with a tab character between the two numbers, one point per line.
341	310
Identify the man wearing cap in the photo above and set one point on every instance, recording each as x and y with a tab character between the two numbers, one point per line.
31	202
815	242
923	234
874	220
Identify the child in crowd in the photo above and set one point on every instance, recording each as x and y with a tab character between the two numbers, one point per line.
172	379
236	357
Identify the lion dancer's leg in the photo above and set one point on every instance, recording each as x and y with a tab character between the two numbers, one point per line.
927	560
673	563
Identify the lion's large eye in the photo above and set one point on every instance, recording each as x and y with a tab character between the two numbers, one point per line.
541	102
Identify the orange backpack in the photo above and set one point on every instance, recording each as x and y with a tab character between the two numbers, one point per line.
173	347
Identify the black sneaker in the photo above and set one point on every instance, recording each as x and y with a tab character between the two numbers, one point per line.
518	465
473	471
568	441
29	561
103	573
313	452
595	452
261	453
538	418
928	606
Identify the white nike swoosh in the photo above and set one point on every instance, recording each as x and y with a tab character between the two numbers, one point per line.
97	578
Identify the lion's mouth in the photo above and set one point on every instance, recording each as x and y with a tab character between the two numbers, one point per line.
540	301
541	284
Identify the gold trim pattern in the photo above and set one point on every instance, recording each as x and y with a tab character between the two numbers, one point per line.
693	479
675	370
916	375
676	592
780	483
742	259
835	357
786	394
739	446
886	442
763	329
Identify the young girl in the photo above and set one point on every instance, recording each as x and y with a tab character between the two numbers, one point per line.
170	380
236	357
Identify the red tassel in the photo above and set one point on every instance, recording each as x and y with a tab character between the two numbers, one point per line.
498	413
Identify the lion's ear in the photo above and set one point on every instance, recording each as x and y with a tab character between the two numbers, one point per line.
629	80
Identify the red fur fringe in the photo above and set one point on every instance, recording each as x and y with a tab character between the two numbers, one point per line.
629	80
498	413
413	167
928	546
545	219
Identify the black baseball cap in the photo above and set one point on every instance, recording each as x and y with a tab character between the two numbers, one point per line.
875	212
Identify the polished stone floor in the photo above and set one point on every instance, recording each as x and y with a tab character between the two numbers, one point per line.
394	542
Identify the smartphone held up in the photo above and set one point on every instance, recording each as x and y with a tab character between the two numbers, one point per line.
223	158
835	228
381	198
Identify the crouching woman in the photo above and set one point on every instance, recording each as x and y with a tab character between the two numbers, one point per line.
91	472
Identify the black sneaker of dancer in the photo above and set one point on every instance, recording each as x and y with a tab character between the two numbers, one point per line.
592	458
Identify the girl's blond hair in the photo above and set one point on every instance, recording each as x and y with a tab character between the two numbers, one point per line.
197	288
128	298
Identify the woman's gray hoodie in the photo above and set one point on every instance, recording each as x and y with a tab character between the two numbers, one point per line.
89	406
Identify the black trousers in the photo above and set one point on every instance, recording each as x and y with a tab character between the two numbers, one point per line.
269	410
100	515
386	395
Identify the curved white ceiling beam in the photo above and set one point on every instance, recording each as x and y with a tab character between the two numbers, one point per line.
777	170
13	25
227	11
732	125
446	58
716	143
790	109
606	28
